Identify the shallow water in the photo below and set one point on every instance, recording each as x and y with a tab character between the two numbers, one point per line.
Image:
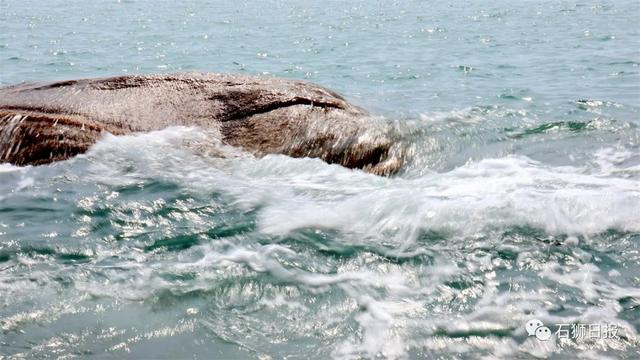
519	200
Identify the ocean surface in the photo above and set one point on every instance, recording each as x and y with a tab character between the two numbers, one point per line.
520	198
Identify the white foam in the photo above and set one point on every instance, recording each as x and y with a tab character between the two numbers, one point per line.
4	168
296	194
505	191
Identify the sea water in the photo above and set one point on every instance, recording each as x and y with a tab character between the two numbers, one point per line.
520	198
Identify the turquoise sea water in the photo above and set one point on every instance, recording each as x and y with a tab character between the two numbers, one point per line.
520	199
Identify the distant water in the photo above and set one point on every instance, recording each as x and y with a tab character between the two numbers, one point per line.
520	199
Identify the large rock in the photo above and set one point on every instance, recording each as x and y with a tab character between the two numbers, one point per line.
42	123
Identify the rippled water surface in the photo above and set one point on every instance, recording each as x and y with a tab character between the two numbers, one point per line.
520	198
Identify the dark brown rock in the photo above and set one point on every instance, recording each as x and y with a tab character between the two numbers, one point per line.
42	123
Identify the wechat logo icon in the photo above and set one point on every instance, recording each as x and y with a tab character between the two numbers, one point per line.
536	328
